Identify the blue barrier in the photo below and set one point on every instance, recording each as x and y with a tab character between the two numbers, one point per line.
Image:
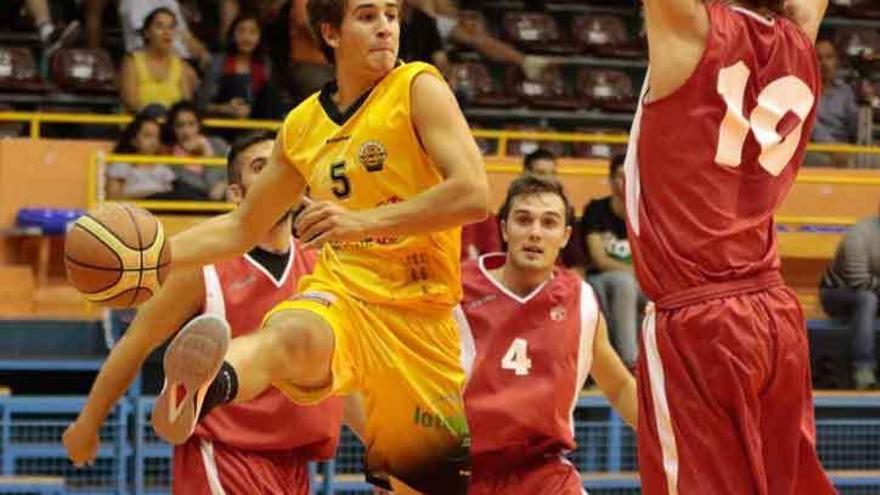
135	461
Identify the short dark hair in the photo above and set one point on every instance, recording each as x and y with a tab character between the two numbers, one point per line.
232	45
538	154
124	144
152	17
527	184
325	12
616	162
233	168
178	108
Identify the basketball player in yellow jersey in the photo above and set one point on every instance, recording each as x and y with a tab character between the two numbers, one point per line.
393	172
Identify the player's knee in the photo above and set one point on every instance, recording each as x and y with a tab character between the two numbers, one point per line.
301	338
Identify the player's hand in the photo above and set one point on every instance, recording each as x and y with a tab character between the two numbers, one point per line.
81	443
323	221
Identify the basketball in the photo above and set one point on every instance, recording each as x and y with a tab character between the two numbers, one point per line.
116	255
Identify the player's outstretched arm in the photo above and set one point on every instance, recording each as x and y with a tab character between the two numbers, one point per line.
684	18
808	14
612	377
461	198
180	298
275	191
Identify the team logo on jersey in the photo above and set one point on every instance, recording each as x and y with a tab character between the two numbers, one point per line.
372	156
557	313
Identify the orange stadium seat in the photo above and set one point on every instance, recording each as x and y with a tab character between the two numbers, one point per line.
607	89
473	82
83	70
551	90
18	71
535	32
604	36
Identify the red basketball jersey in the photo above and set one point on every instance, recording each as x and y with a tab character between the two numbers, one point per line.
709	164
530	358
243	291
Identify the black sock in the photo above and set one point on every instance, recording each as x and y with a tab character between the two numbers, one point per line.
222	390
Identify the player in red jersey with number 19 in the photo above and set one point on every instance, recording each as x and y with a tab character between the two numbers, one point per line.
257	447
536	333
725	395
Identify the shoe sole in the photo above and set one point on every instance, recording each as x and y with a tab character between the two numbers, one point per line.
191	361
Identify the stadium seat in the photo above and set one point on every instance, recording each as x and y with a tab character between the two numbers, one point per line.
535	32
474	85
83	70
857	9
18	71
606	89
858	43
604	36
552	90
597	150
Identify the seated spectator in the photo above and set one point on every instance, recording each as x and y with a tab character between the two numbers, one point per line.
230	10
850	289
420	38
610	271
239	83
542	162
837	117
308	69
126	181
155	74
134	15
183	136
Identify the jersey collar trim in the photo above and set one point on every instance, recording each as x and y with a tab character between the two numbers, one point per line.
332	110
758	17
522	300
279	282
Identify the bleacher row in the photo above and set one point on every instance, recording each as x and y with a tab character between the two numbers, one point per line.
132	460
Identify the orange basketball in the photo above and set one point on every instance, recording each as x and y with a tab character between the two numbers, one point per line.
116	255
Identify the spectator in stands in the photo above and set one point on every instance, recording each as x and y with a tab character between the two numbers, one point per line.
446	14
610	271
52	37
230	10
850	289
308	69
542	162
239	83
155	74
837	118
135	17
183	136
126	181
420	39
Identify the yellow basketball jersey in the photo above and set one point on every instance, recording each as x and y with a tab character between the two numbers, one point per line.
367	157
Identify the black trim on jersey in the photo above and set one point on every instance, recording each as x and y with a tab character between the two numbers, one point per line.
274	263
332	110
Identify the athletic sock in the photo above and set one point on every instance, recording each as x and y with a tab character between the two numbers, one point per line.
222	390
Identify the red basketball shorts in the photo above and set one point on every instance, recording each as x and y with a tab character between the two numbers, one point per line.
553	475
725	398
202	467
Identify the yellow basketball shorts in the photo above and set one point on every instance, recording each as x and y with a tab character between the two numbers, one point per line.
407	366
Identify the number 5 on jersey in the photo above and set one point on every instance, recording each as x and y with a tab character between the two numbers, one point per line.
517	358
341	185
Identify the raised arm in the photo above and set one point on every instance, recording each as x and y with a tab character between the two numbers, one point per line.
276	190
461	198
808	14
612	377
677	32
180	299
